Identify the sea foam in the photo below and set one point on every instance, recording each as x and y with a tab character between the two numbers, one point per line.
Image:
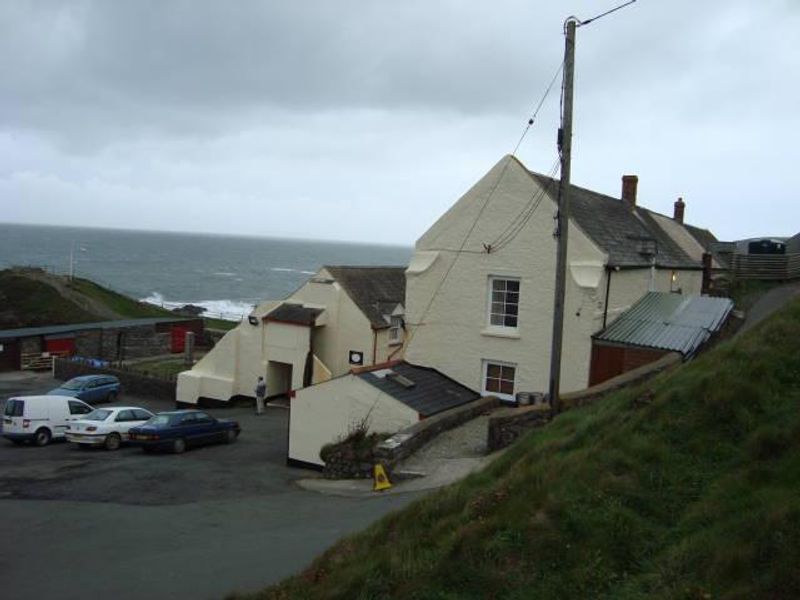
231	310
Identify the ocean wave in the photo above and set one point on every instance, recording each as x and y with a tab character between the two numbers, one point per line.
224	274
232	310
288	270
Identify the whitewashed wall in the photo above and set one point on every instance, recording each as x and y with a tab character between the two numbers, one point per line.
325	413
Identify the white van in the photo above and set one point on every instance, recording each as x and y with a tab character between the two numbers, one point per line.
40	419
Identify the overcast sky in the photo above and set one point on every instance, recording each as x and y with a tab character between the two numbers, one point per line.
366	120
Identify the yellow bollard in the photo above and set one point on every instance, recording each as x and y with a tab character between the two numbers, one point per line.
381	479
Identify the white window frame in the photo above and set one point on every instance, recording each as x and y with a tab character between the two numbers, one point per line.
485	374
491	303
396	329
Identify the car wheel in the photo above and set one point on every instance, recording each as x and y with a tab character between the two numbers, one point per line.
230	436
42	437
112	397
113	441
178	446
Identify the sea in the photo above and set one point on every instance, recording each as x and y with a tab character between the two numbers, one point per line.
227	275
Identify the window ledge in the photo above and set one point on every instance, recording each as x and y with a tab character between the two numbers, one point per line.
397	343
501	332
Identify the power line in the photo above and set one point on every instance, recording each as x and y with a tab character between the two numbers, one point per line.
579	23
532	120
521	220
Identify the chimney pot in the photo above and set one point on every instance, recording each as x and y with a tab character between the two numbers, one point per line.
629	185
680	206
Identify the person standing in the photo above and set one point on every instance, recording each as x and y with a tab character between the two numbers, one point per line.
261	394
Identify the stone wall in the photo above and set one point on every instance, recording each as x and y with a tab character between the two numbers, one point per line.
506	425
404	443
136	384
122	343
343	461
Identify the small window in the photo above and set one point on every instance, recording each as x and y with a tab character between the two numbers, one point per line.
15	408
189	419
499	379
203	418
141	415
396	330
79	408
125	415
503	302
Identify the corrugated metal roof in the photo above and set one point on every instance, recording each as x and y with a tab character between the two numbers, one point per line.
56	329
425	390
669	322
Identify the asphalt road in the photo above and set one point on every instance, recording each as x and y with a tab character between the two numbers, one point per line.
126	524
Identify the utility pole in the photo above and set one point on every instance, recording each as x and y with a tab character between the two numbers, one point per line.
72	261
562	218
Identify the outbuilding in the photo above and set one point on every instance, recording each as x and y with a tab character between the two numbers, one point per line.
656	325
386	398
34	347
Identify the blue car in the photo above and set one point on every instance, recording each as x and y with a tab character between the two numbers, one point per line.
180	429
90	388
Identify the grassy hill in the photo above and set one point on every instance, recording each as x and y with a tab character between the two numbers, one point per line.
32	297
687	487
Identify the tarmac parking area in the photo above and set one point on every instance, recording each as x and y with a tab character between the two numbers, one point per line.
195	525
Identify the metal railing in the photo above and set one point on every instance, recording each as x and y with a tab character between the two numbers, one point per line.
39	361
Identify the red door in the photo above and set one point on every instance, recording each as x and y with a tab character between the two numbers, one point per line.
60	345
178	338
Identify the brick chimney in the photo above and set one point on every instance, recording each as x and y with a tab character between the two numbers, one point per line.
680	206
629	185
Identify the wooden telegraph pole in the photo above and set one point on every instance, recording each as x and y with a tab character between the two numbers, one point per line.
562	218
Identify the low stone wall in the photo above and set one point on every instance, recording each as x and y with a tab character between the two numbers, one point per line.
507	425
342	463
404	443
589	395
132	382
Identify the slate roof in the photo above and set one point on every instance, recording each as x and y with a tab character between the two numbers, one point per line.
293	313
669	322
703	236
375	290
431	393
66	329
619	231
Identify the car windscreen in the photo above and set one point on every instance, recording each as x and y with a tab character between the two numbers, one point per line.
158	420
14	408
73	384
98	414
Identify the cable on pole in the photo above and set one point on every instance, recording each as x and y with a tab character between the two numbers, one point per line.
579	23
532	120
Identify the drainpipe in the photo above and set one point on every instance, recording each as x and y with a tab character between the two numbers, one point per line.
374	346
609	270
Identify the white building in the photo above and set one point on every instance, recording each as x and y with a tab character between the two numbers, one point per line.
479	288
386	398
342	317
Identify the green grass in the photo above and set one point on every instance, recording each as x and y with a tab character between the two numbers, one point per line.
693	492
745	292
124	306
26	302
221	324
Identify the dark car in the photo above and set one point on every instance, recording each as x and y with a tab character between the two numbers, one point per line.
181	429
90	388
